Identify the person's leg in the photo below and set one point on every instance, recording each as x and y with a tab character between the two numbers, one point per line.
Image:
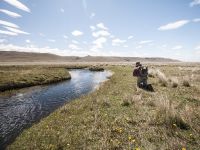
139	82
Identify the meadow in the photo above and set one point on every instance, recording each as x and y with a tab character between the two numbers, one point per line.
121	116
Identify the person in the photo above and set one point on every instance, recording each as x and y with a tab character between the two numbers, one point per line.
142	75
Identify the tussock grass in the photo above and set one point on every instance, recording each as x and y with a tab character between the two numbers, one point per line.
174	82
167	114
162	78
186	82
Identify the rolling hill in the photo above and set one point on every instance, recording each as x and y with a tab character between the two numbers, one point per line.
13	56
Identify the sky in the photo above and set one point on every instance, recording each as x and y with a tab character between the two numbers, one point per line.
133	28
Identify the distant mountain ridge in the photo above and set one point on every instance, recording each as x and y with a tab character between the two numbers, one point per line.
13	56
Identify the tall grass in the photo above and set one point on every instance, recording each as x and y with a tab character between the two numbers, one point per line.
168	115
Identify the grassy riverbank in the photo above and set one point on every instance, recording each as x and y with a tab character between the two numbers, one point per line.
13	77
120	116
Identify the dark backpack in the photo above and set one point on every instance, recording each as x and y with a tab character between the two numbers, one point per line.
136	72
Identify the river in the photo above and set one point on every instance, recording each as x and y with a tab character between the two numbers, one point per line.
21	110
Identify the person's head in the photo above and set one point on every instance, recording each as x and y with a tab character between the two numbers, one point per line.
138	64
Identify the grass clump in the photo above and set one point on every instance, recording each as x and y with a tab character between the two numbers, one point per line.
162	78
127	100
167	114
186	82
173	82
96	68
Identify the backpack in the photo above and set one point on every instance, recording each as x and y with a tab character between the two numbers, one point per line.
136	72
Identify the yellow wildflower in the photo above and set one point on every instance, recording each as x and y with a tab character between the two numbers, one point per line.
129	138
174	125
137	149
183	148
133	141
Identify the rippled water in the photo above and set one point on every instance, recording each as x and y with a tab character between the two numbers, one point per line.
19	111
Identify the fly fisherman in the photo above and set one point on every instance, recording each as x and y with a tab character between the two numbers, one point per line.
141	73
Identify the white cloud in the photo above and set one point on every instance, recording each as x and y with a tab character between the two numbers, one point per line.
28	41
73	47
62	10
10	13
125	46
9	24
51	40
177	47
65	36
145	42
194	2
198	47
198	52
36	49
112	36
92	15
98	43
18	5
130	37
42	34
196	20
138	47
174	25
102	26
77	33
75	42
117	42
92	28
16	30
32	48
2	41
164	46
100	33
8	33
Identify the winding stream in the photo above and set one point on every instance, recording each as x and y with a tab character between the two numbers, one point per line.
20	111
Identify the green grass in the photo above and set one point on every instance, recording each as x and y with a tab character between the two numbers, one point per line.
120	116
13	77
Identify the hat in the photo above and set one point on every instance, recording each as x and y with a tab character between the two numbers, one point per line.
138	64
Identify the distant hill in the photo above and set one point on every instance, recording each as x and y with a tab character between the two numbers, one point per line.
13	56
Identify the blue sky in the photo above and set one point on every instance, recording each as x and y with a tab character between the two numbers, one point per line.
135	28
